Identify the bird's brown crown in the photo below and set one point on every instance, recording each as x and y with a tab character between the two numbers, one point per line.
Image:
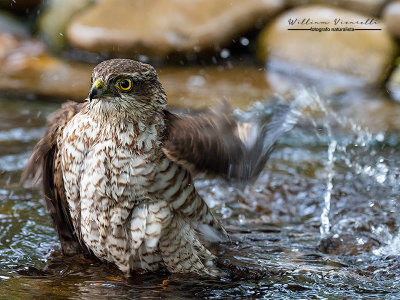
122	66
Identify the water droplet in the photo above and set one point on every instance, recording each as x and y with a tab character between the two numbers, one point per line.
244	41
143	58
225	53
226	212
242	219
8	180
380	137
196	81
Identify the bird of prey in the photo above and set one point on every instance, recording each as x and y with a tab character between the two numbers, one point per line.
116	172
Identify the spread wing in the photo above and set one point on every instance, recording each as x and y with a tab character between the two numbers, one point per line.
215	142
44	168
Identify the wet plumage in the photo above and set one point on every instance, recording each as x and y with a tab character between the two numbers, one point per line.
116	172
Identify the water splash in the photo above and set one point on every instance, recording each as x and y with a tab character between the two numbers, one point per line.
317	104
369	171
325	223
356	155
306	103
330	173
391	248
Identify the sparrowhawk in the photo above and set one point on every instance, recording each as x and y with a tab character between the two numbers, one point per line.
116	172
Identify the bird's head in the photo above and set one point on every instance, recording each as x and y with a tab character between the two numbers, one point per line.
127	87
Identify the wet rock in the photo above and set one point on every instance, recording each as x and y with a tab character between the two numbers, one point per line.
391	16
393	84
57	15
369	7
383	113
310	50
31	271
237	270
348	244
201	87
122	27
27	68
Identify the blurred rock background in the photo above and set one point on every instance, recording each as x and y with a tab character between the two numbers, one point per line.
204	49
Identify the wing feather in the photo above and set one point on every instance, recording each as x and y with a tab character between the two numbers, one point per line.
44	168
216	143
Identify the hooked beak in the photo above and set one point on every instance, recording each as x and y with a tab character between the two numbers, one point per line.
96	90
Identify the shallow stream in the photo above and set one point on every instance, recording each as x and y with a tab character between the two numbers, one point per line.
322	221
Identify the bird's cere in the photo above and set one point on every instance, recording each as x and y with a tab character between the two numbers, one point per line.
98	84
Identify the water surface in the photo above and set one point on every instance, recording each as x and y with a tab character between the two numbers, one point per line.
329	170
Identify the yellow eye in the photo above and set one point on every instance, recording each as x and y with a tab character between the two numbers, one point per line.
124	84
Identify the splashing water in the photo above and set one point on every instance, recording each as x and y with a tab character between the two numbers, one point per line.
355	157
303	105
325	224
310	99
379	176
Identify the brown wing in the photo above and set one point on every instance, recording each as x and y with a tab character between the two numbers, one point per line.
44	168
215	142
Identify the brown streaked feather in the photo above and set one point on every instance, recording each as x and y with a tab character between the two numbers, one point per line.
210	143
44	169
204	142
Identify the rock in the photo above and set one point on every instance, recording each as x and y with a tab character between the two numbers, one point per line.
369	7
344	244
201	87
391	16
376	112
361	56
27	68
393	84
158	28
57	15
